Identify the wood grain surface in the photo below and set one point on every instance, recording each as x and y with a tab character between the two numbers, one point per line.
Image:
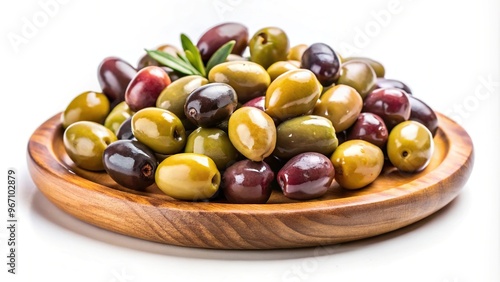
393	201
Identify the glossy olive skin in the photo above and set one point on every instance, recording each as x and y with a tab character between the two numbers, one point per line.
268	45
410	146
323	62
247	182
248	79
159	129
371	128
130	163
85	142
391	104
219	35
295	52
174	96
124	131
423	113
392	83
188	176
252	132
210	104
117	116
357	163
89	105
292	94
258	102
376	65
144	89
306	176
214	143
146	60
114	75
280	67
341	104
358	75
308	133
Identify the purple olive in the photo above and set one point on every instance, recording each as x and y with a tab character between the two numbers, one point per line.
257	102
130	163
369	127
247	182
306	176
114	75
391	104
323	62
124	131
145	87
391	83
424	114
219	35
210	104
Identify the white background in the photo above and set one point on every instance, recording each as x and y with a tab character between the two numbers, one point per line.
445	51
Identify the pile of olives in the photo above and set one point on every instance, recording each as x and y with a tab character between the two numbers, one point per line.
291	118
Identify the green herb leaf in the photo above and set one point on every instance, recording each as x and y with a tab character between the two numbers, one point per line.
172	62
220	55
192	54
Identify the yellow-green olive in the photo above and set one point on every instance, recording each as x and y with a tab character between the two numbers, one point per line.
249	79
214	143
376	65
341	104
85	142
281	67
357	163
159	129
252	133
359	75
117	116
188	176
292	94
410	146
296	51
268	45
89	106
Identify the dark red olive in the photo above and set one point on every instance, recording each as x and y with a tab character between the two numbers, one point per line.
257	102
247	182
306	176
145	87
210	104
130	163
114	75
392	83
219	35
423	113
369	127
391	104
323	62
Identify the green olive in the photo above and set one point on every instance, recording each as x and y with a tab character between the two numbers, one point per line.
268	45
292	94
359	75
341	104
410	146
296	51
159	129
188	176
85	142
252	133
117	116
376	66
281	67
357	163
214	143
89	106
173	97
308	133
249	79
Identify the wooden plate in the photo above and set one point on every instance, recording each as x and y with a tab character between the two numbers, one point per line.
393	201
